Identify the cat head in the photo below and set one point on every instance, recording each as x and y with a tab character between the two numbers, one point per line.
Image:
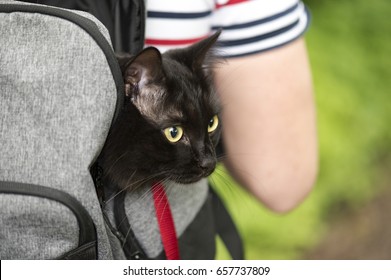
170	123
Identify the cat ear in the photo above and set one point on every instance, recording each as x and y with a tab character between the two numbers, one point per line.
141	69
123	59
202	51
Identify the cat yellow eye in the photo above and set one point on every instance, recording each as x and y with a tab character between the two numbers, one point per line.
173	133
213	124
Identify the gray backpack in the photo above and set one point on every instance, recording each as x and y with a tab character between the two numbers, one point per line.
59	81
61	89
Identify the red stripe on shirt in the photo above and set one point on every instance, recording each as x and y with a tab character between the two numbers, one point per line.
230	2
166	42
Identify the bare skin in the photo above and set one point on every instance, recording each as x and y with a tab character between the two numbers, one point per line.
270	124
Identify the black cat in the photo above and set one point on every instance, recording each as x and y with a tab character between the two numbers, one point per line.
169	125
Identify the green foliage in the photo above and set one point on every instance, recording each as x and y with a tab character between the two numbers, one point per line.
349	49
267	235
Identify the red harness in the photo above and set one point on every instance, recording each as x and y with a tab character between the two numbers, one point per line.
165	222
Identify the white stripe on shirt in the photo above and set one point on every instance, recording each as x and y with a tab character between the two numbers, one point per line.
248	26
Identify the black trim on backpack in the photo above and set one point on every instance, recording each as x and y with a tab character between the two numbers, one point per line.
198	240
87	246
130	245
226	228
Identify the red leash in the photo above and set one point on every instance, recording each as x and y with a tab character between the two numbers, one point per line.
165	222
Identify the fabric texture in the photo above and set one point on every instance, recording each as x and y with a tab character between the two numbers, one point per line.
55	231
57	102
185	202
249	26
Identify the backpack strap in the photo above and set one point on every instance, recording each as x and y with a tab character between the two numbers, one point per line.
226	228
222	224
130	245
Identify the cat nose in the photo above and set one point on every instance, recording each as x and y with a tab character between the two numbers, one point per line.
207	164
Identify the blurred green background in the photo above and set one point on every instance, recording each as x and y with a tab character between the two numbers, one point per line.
347	214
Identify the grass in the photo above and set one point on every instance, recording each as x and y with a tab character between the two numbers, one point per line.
349	50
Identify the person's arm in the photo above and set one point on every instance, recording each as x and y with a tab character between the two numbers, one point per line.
269	128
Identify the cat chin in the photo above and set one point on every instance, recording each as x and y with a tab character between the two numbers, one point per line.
186	181
189	179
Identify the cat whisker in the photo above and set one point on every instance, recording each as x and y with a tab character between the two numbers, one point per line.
114	163
148	190
230	190
142	181
152	209
165	205
121	190
249	154
239	170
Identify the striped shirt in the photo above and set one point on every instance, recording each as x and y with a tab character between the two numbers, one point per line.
249	26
